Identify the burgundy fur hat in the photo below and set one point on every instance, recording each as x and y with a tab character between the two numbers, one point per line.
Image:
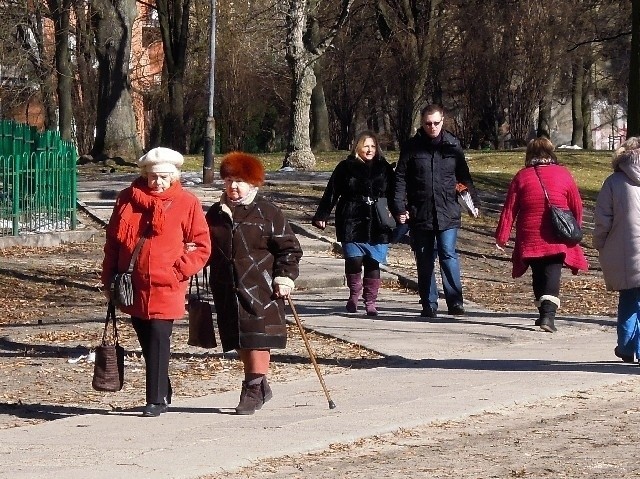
244	166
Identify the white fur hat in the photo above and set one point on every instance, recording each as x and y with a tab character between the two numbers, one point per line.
161	160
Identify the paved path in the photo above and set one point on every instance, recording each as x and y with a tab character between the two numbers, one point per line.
431	370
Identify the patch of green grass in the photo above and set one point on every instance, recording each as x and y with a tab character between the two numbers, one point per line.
491	170
494	170
325	161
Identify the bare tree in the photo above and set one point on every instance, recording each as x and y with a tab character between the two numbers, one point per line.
360	79
320	136
174	28
27	58
85	90
61	15
251	77
409	27
115	120
302	53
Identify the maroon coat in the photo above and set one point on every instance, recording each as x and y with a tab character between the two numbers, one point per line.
525	205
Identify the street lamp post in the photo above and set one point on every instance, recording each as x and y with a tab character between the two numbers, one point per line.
210	138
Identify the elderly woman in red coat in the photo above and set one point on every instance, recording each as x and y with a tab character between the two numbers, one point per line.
176	246
536	245
254	262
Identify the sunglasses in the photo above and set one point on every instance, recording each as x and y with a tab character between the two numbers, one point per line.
432	123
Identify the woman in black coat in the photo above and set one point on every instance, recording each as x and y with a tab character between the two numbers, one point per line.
355	187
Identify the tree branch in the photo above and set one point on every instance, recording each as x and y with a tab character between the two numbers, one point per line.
599	40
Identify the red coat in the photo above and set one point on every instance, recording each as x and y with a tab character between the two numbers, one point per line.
162	270
525	205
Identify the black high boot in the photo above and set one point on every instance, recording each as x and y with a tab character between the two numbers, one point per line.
548	307
539	319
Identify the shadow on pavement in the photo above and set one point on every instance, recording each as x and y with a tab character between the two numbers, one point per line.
47	412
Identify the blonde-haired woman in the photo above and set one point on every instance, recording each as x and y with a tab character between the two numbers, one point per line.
176	245
355	186
536	245
615	236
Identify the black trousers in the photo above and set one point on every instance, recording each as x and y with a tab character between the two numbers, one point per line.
545	273
154	336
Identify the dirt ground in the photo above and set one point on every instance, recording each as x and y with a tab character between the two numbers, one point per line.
52	314
590	434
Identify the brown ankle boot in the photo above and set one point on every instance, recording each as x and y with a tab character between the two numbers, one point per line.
266	390
253	396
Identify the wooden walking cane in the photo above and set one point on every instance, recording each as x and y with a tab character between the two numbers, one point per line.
332	405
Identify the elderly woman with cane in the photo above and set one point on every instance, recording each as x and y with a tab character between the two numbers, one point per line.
158	232
254	262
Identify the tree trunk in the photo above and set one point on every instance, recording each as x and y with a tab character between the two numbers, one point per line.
115	120
544	116
85	95
587	94
633	113
302	53
60	12
173	129
174	29
576	100
299	154
43	65
49	102
321	139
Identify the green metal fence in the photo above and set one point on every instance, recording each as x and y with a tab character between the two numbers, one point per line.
38	187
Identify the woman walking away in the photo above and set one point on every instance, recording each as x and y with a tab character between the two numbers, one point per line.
168	222
254	262
536	244
616	236
356	185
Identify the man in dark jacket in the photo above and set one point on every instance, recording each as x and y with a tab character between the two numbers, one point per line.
431	165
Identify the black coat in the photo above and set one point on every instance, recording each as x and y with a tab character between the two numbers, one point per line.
352	183
425	182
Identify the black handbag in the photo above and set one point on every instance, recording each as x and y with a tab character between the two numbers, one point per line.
108	368
565	225
201	331
122	288
385	217
122	284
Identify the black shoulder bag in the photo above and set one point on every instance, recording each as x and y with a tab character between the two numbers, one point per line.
122	285
565	226
201	332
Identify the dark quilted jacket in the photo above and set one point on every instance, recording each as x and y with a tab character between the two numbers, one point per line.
246	254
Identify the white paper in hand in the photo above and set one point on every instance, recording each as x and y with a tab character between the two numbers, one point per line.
464	198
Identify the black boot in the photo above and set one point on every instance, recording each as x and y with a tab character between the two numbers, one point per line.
539	320
548	309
